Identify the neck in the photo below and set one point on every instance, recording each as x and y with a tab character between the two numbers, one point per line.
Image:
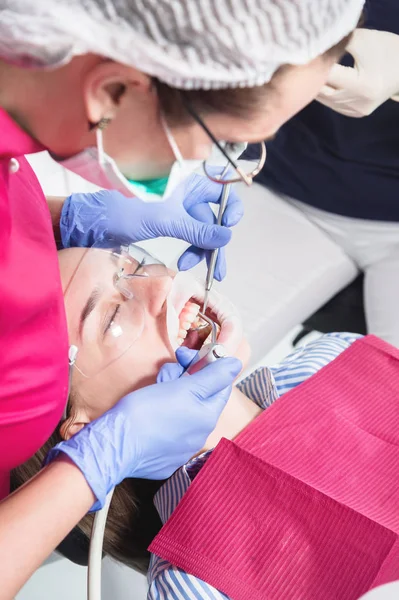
239	412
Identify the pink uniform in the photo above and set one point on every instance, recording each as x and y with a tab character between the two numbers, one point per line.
33	333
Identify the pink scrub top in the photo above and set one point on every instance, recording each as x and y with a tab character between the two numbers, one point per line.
33	333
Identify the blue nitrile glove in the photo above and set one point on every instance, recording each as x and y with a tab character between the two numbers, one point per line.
151	432
172	371
186	215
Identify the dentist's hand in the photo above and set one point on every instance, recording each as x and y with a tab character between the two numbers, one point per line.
152	432
186	215
358	91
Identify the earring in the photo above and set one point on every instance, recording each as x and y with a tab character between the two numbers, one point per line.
103	123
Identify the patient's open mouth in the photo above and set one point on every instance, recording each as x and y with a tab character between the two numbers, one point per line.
184	302
189	320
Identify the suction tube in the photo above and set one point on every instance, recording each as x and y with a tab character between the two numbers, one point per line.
96	551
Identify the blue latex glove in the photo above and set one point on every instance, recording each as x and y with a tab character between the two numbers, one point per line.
153	431
187	215
172	371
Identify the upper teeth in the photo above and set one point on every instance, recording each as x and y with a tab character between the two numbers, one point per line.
187	317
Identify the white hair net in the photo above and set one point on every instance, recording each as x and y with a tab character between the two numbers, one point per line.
185	43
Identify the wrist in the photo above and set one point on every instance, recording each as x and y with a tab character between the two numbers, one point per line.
83	457
55	204
68	471
64	223
84	220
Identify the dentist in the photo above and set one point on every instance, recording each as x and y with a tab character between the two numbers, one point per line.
131	95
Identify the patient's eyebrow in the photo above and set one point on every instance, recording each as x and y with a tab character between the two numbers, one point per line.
88	308
94	297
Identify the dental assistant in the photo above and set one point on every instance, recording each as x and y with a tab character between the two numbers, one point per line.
110	90
342	172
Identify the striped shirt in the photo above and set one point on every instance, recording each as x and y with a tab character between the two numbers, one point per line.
263	386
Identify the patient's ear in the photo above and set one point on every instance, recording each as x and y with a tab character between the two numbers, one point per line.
73	424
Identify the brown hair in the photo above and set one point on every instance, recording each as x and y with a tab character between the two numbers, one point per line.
132	521
238	102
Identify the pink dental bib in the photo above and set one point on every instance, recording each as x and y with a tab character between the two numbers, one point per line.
304	505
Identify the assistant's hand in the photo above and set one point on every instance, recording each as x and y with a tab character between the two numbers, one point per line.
153	431
358	91
187	215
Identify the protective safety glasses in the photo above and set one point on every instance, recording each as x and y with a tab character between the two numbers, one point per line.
105	312
226	150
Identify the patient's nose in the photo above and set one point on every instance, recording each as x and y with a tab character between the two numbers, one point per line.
152	291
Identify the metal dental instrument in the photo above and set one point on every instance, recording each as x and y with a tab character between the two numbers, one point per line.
212	263
209	353
246	178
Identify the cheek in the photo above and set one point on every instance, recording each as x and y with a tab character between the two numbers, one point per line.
118	143
137	368
300	88
243	353
147	356
193	142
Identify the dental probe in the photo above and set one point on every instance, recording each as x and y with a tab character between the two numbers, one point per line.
212	262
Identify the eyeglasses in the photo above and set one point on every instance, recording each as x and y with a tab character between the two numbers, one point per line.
223	178
114	278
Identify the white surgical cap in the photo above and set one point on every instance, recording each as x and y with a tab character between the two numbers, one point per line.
185	43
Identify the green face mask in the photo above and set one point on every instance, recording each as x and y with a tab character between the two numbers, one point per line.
151	186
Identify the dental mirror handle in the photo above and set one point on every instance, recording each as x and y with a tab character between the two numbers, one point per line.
208	354
212	262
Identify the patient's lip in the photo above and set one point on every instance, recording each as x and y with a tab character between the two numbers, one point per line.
172	324
183	288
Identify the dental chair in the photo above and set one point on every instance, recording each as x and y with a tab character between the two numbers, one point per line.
344	312
281	269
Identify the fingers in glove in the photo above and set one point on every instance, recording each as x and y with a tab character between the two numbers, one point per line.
201	190
341	78
220	267
234	210
190	258
201	234
203	213
214	378
185	356
199	207
193	256
169	372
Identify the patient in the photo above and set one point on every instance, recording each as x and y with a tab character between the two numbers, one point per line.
127	314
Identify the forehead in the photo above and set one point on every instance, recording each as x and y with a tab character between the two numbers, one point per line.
82	273
84	267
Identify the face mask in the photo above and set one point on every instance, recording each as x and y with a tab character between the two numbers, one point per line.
94	165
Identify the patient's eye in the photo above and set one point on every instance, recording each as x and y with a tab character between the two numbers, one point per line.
111	326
